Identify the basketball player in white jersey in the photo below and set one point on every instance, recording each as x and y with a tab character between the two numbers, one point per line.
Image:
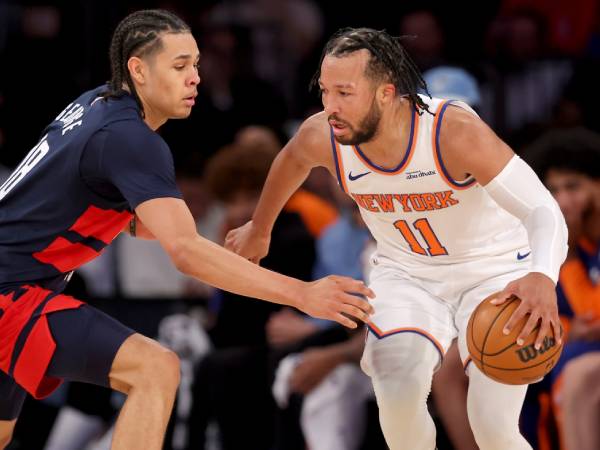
456	215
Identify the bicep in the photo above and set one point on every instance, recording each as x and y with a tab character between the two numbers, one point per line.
471	146
169	220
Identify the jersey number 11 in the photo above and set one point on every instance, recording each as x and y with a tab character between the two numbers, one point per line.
434	247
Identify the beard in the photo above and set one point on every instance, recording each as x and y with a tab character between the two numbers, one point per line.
366	130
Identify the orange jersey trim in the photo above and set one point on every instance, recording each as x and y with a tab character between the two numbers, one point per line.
382	334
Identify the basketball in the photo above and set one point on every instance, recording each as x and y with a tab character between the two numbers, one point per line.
497	355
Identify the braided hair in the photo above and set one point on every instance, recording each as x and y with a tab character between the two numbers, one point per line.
389	61
138	34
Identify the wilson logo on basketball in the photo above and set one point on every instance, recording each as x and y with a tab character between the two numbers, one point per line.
529	352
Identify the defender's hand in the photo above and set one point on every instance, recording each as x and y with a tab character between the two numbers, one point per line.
248	242
538	299
332	298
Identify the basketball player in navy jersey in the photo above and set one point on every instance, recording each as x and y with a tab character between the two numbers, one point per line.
100	168
457	216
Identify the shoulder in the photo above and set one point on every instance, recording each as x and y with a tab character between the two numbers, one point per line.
461	130
313	140
315	130
470	146
459	119
132	132
131	145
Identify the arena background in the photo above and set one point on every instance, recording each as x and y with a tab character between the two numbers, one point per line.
535	65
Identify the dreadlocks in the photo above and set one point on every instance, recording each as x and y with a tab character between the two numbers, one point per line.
138	34
389	60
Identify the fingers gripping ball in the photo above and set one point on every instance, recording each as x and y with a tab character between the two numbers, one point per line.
498	356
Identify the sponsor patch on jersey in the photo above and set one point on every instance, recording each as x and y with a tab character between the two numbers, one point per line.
419	174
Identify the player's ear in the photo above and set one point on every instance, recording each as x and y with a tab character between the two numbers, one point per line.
136	69
387	92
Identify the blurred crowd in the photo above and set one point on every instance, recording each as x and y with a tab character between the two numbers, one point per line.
256	375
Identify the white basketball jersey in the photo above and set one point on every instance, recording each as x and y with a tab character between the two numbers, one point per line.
416	212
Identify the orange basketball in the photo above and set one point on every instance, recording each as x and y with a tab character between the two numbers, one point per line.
498	355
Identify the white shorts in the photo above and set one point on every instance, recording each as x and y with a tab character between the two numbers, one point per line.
436	301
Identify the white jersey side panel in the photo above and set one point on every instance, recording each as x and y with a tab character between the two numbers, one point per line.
416	212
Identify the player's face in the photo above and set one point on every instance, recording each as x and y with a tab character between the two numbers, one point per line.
172	77
349	98
574	193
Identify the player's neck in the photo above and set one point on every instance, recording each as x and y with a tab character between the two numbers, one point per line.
153	120
391	142
152	116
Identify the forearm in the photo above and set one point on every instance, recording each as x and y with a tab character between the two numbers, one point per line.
212	264
285	177
518	190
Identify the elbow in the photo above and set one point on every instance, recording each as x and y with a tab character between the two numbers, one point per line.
179	252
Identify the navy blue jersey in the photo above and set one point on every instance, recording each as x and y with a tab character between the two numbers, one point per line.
77	188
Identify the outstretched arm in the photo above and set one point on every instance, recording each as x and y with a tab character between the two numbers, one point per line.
309	148
171	222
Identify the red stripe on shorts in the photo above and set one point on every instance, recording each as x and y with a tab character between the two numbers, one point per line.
36	354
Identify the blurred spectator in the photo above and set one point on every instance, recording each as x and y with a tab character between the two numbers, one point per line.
232	383
524	80
568	161
230	96
321	391
453	83
311	205
424	38
333	392
316	213
343	248
283	34
255	136
570	24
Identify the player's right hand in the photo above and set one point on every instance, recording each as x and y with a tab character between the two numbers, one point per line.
337	298
248	242
538	300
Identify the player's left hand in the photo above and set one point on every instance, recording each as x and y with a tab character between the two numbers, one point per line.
538	299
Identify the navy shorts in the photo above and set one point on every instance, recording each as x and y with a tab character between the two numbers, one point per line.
87	341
